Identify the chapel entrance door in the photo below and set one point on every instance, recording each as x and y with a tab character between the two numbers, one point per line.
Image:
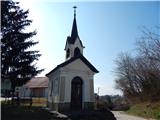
76	94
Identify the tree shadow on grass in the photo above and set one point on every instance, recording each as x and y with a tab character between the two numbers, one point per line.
13	112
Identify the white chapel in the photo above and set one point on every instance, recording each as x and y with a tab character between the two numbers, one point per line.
71	83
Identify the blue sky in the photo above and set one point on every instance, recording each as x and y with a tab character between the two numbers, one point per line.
105	28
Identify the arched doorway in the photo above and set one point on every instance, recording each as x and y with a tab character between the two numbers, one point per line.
76	94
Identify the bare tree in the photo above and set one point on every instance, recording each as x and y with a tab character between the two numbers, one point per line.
139	77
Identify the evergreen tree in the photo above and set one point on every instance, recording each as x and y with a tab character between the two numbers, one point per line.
17	62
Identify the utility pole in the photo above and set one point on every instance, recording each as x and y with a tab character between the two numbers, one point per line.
98	98
98	90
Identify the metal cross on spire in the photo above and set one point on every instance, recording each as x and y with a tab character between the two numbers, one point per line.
74	7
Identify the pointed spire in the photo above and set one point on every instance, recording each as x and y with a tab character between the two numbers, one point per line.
74	33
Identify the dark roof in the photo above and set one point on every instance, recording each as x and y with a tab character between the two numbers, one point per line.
73	59
37	82
74	33
71	40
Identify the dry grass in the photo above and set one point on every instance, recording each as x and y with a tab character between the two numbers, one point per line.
40	102
146	110
36	102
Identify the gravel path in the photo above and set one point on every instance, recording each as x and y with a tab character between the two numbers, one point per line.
122	116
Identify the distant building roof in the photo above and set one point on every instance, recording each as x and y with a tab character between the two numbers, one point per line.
37	82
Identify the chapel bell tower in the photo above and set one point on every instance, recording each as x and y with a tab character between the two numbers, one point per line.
74	46
71	83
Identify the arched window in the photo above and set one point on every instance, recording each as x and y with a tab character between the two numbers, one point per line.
77	52
68	53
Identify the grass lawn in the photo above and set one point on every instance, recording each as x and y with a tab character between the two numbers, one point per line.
10	112
25	112
35	112
146	110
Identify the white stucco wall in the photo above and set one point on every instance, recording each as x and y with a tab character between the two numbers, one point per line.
24	91
67	73
72	47
27	92
77	44
77	68
53	90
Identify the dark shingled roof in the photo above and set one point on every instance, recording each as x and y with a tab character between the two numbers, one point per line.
73	59
71	40
74	34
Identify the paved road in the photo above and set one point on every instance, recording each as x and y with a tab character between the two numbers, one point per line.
122	116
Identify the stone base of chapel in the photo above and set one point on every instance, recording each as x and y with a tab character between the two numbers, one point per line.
66	106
